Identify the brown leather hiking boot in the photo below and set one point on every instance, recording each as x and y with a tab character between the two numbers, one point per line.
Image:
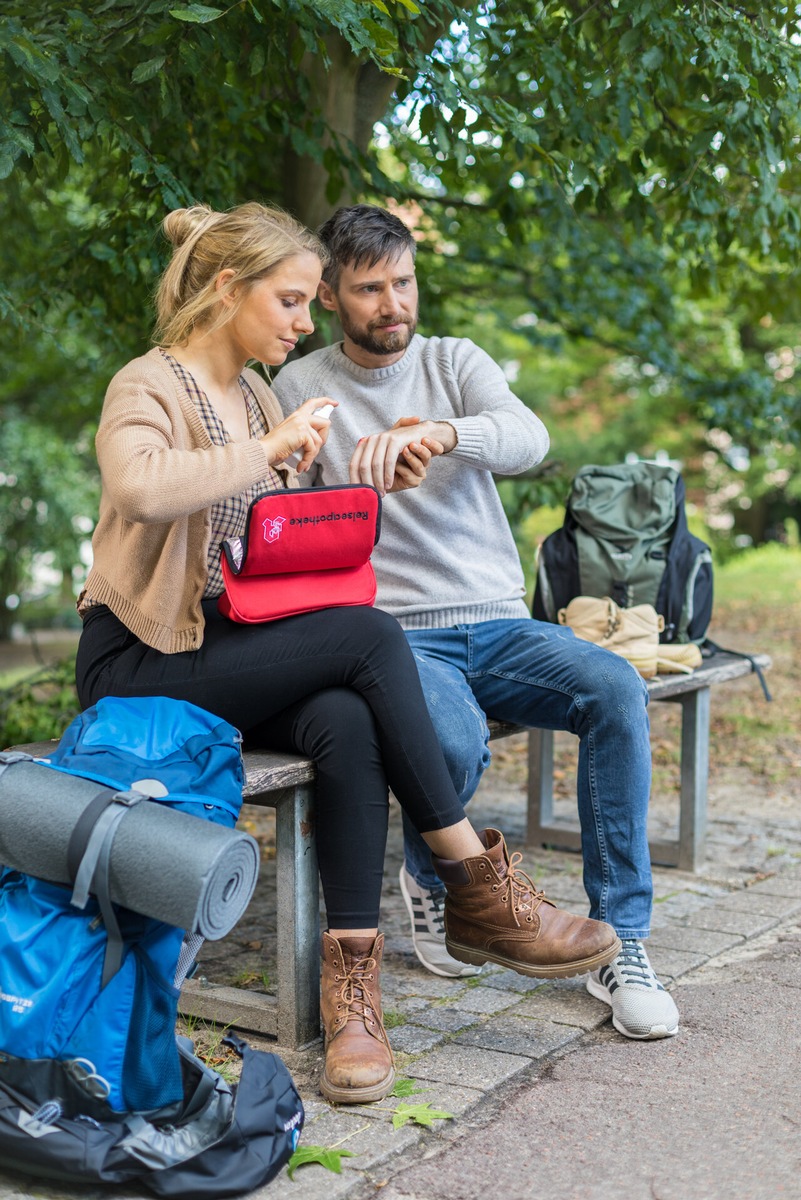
493	912
358	1059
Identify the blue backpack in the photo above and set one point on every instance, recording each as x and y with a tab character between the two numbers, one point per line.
94	1084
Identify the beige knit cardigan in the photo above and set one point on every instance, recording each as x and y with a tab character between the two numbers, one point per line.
160	474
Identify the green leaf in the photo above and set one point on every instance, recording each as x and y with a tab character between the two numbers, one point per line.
406	1087
198	14
20	137
421	1114
384	40
409	5
257	60
331	1159
147	70
652	58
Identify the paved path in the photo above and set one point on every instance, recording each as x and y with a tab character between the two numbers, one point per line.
549	1100
712	1114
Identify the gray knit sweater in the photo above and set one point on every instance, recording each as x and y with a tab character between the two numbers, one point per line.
446	555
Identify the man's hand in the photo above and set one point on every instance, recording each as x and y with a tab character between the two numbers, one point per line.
412	466
379	459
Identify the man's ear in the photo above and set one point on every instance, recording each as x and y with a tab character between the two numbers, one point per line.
327	296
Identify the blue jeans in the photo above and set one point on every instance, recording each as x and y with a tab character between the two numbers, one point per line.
536	674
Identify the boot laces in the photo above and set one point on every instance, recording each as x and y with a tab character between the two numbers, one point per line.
519	887
355	993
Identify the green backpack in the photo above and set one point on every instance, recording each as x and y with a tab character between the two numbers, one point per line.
625	535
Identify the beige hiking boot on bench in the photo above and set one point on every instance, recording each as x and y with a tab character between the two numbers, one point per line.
494	913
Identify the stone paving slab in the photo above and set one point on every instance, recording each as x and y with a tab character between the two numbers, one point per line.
574	1008
764	904
509	981
468	1066
672	936
746	923
674	963
450	1098
786	884
523	1035
486	1000
681	904
446	1018
372	1141
414	1039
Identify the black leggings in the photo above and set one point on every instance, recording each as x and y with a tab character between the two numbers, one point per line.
339	686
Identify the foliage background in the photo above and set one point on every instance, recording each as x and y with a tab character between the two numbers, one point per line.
605	196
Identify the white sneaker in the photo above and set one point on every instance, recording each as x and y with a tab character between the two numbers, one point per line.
641	1008
426	911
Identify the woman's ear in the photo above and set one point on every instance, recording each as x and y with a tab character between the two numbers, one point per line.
226	294
326	296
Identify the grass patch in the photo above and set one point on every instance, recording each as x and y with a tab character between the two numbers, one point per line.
768	576
393	1019
207	1039
253	978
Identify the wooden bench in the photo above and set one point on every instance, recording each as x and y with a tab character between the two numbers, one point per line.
285	782
692	692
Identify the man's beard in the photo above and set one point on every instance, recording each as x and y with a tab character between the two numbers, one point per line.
374	340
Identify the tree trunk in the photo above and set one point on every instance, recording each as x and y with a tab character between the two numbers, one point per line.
350	96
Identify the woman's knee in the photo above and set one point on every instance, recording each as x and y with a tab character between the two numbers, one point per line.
371	631
336	721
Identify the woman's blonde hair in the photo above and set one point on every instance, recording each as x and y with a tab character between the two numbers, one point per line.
252	240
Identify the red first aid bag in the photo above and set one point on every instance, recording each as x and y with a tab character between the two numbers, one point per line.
303	549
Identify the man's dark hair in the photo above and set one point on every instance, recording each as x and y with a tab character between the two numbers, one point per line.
362	234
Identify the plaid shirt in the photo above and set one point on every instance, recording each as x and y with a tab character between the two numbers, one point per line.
228	517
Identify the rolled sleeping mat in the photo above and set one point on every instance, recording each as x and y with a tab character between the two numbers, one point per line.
163	863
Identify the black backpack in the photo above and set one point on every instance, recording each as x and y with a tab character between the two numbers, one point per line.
625	535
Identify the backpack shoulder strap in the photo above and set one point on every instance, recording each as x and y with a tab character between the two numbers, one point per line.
708	648
88	859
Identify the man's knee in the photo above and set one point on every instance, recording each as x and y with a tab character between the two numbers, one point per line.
613	694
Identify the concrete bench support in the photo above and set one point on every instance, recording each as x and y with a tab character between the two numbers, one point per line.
284	782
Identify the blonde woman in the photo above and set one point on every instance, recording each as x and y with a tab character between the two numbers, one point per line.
187	437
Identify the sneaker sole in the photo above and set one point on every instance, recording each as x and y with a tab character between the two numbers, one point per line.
363	1095
547	971
429	966
655	1033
